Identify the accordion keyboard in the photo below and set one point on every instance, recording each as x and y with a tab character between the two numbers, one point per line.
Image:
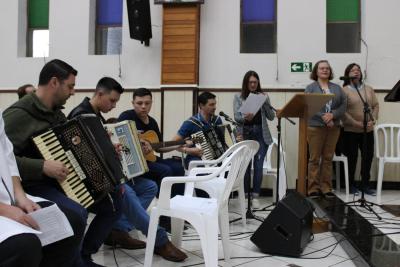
73	186
210	144
204	145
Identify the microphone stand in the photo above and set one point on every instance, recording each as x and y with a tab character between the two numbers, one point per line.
278	127
362	202
249	212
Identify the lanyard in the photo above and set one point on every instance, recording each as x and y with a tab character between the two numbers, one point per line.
328	106
8	191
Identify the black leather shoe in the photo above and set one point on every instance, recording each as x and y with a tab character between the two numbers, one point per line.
120	239
329	195
314	195
170	252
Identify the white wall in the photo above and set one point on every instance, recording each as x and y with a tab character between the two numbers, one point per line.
301	37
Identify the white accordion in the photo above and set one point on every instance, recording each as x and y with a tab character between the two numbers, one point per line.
132	159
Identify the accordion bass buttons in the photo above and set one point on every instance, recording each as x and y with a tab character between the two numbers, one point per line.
76	140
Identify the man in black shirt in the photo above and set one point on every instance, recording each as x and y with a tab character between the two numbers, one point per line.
138	192
158	168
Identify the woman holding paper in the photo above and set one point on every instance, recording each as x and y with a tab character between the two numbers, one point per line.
323	130
254	126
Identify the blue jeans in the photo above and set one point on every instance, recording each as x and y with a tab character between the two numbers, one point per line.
165	168
137	198
254	132
106	215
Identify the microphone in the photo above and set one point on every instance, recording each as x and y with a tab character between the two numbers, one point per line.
227	118
347	78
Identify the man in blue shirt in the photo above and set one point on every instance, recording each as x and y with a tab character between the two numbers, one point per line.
203	120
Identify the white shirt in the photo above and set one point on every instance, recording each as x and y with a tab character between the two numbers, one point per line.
8	165
8	168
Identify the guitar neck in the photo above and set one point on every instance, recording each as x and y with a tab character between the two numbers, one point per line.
156	146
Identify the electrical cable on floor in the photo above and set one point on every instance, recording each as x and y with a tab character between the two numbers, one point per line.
219	237
321	249
115	258
267	256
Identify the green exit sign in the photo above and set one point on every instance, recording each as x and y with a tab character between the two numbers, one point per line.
300	66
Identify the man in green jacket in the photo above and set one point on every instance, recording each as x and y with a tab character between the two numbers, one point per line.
34	114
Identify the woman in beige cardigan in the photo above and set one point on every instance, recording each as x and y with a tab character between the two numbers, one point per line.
353	125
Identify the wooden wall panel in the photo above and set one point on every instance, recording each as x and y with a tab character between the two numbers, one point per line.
180	45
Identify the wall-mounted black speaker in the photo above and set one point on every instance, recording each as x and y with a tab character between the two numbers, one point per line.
139	20
287	229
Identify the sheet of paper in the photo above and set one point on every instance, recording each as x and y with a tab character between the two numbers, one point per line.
253	103
53	224
10	228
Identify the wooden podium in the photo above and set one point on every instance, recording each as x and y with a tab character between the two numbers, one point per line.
303	106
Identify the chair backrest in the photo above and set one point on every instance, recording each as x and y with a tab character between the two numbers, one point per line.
237	161
268	158
253	147
391	140
222	158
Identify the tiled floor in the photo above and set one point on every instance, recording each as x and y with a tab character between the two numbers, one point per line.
245	253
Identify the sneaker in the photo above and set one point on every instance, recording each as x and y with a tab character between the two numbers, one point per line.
370	191
329	194
314	195
255	203
354	190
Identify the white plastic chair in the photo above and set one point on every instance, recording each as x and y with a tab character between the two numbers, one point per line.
270	170
215	187
338	159
389	153
202	213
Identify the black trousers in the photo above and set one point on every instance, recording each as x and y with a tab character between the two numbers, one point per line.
352	142
24	250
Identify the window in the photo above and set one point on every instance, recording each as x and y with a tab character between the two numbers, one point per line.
258	26
108	36
343	27
38	28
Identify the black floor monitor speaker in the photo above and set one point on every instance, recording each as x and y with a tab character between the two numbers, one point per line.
139	19
287	229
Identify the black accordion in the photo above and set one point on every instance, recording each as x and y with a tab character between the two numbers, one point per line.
212	144
85	148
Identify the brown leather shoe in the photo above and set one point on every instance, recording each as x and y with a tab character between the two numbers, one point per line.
170	252
120	239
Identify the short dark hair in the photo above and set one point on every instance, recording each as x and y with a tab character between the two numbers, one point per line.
347	72
245	84
203	98
314	76
108	84
56	68
21	90
140	92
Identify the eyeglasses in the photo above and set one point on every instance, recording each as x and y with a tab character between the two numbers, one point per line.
255	82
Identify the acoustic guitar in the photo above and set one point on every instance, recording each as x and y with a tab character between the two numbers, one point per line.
152	137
